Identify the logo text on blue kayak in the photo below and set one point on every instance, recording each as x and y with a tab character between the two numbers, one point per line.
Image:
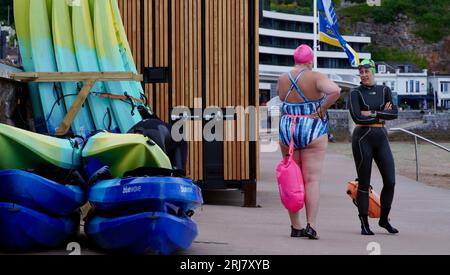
132	189
185	189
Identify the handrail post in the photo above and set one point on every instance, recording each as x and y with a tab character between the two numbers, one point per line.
417	159
422	138
416	138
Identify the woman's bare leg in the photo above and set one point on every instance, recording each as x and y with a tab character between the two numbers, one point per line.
295	217
312	158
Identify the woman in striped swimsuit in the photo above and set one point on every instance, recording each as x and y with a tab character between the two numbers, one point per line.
307	96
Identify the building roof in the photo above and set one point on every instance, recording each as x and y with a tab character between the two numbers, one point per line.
404	67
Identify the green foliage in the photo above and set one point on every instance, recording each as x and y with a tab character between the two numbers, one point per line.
432	16
296	7
393	54
302	7
12	40
291	8
355	14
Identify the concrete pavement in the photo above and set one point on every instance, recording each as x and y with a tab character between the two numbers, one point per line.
420	212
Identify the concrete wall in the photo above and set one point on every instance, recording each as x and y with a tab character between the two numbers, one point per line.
405	117
340	124
435	127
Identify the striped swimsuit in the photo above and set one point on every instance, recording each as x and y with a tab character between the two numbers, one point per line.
294	115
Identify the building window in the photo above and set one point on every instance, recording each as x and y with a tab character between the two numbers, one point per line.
266	59
281	42
308	28
382	69
286	25
333	63
411	86
445	87
417	86
267	23
393	85
408	69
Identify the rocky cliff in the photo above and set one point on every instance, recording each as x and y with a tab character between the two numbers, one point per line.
401	34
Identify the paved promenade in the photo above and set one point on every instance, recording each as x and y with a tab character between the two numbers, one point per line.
420	212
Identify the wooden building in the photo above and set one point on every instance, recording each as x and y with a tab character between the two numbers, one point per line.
198	54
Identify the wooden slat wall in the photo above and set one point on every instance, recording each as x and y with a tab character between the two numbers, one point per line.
131	14
162	56
227	67
187	62
187	74
131	17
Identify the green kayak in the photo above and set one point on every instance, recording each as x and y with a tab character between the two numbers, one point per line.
125	152
21	149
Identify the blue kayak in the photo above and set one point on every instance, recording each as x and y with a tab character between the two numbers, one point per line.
138	194
145	233
23	229
40	194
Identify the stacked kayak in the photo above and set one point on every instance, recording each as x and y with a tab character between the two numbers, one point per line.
143	233
78	36
132	195
122	153
40	209
27	150
66	62
144	215
41	194
23	229
37	213
140	214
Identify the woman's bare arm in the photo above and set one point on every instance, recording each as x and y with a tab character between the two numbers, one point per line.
331	90
280	87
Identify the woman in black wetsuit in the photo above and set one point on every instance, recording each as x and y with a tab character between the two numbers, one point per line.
370	106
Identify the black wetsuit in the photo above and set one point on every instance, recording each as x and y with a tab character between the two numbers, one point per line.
160	133
371	143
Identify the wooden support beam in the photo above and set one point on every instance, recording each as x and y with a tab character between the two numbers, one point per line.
74	77
88	77
75	108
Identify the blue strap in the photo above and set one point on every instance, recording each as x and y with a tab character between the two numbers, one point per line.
294	84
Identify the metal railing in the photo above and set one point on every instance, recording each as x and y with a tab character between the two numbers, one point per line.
416	140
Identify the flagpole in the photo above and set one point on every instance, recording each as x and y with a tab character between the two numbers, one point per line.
315	35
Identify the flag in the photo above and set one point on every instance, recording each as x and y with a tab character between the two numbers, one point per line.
329	30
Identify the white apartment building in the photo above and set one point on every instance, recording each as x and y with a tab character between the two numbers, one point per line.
441	85
281	33
409	84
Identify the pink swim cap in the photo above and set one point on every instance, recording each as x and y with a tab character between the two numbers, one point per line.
303	55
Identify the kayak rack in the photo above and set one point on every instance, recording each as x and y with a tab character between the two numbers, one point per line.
89	78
